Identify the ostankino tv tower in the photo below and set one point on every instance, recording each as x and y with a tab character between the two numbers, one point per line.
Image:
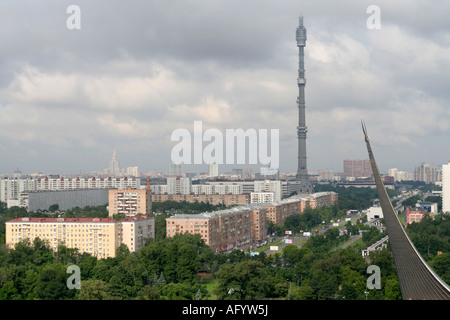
304	183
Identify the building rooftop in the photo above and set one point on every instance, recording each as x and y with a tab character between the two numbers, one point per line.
78	220
251	206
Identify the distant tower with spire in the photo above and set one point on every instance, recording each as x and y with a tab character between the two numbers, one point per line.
114	169
304	183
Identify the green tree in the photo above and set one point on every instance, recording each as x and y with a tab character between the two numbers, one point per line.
292	255
8	291
441	265
67	255
94	290
324	284
243	281
51	284
303	293
149	292
392	289
176	291
29	283
353	284
53	207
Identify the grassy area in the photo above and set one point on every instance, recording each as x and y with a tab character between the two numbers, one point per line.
210	284
402	218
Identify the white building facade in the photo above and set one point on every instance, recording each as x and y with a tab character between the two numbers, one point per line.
273	186
178	185
11	188
446	188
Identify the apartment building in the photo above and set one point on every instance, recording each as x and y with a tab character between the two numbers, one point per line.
178	185
206	225
232	228
216	189
277	212
357	168
11	188
259	222
446	188
99	237
129	201
215	199
269	186
133	231
414	215
222	230
262	197
321	199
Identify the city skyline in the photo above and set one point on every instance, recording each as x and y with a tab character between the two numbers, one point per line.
68	98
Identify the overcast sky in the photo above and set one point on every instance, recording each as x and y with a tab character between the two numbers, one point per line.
138	70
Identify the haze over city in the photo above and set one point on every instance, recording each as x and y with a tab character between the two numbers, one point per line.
135	72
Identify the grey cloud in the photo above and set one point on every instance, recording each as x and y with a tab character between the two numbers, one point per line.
144	68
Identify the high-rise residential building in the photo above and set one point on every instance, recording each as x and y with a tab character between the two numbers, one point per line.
269	186
357	168
446	188
426	173
178	185
133	171
176	170
213	170
130	202
400	175
393	173
99	237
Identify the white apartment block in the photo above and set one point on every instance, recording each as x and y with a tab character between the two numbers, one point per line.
178	185
262	197
216	189
185	186
133	171
214	170
446	187
247	186
401	175
269	186
12	188
158	188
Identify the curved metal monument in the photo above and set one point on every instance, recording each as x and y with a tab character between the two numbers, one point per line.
417	280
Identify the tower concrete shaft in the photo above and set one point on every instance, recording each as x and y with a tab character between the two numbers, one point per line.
304	183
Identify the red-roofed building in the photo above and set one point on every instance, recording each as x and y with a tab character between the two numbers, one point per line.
414	215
